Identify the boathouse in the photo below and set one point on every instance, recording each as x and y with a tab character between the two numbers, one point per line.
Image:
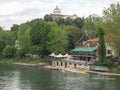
81	59
85	54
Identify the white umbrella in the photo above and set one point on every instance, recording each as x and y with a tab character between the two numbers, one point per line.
59	56
52	54
66	55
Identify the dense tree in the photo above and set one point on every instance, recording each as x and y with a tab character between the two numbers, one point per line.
39	36
9	51
6	38
68	21
91	25
101	47
14	29
111	18
79	22
74	34
60	21
58	39
23	40
48	18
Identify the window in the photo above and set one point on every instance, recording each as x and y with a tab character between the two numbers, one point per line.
109	51
61	63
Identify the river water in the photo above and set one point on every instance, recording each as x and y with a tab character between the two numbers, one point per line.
16	77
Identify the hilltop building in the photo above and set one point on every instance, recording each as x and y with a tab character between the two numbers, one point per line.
57	14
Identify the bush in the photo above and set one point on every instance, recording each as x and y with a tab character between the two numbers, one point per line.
9	51
97	63
108	62
115	69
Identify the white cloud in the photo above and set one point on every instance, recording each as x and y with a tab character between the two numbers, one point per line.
19	11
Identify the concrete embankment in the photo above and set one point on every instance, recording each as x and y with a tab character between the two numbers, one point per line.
65	69
82	71
104	73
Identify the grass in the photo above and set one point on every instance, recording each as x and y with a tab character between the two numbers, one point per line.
115	69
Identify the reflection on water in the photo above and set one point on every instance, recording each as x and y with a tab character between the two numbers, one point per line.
13	77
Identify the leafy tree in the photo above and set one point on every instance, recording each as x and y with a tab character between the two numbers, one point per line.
79	22
58	39
40	36
9	51
14	29
24	41
48	18
111	18
74	34
91	25
6	38
101	47
68	21
60	21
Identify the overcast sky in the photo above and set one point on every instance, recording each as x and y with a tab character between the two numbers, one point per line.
20	11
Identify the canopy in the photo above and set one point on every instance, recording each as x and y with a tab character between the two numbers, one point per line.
66	55
52	54
84	49
59	56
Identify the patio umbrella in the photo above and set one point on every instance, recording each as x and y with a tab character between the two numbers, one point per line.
52	54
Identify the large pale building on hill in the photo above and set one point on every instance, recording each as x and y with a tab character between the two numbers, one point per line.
57	14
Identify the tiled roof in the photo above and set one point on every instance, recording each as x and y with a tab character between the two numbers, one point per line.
93	40
107	37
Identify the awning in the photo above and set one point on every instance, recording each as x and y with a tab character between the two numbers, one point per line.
84	50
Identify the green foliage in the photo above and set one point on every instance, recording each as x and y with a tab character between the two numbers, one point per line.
58	39
91	25
115	69
24	41
6	38
14	29
97	63
111	16
79	22
108	62
48	18
60	21
74	34
68	21
40	36
9	51
101	47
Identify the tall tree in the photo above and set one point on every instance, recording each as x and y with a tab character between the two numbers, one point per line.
14	29
79	22
39	36
48	18
91	25
111	17
101	47
74	34
58	39
23	40
6	38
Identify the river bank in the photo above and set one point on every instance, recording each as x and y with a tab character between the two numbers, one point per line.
47	66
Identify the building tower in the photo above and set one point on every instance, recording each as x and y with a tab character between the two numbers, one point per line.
56	10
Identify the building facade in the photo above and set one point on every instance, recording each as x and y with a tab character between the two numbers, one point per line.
57	14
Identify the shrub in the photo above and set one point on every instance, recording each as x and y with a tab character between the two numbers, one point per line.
108	62
9	51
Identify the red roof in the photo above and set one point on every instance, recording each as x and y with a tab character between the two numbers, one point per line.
93	40
107	37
